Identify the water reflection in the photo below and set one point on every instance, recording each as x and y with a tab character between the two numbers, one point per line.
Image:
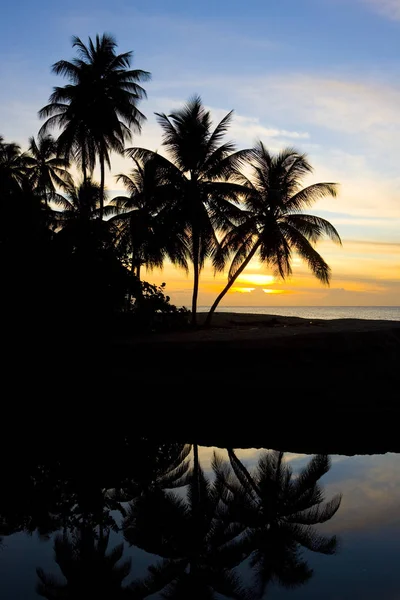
203	530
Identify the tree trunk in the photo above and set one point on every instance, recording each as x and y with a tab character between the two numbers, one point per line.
132	275
195	278
231	282
196	465
138	272
84	171
102	179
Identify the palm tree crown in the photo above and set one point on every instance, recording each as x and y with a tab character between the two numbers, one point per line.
47	171
97	110
277	513
200	171
144	227
13	168
89	571
273	225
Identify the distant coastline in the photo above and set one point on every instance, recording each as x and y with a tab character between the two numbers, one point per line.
374	313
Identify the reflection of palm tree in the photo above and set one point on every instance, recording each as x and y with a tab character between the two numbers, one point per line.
156	467
193	542
274	226
88	570
277	513
144	230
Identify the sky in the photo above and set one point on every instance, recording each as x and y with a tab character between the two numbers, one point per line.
319	75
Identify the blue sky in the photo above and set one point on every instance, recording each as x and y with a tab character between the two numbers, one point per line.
321	75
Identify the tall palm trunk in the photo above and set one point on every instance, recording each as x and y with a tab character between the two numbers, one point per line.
232	281
102	179
196	514
84	166
196	277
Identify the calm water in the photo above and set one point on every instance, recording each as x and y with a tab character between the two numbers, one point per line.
127	502
381	313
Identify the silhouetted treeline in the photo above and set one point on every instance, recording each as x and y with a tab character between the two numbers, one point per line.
73	259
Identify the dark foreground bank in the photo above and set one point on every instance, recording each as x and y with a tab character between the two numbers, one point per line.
321	386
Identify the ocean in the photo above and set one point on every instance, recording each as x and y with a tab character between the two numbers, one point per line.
379	313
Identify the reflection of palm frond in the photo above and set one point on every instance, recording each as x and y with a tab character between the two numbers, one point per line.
197	547
88	570
277	513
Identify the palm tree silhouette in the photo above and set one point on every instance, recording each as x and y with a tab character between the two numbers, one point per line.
277	513
89	571
96	110
199	172
273	224
13	168
47	171
192	540
144	228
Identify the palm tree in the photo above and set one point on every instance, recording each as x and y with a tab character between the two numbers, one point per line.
80	203
273	224
278	512
200	174
144	228
13	168
20	203
98	108
192	540
88	570
47	171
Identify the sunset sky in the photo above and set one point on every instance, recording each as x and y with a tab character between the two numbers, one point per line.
320	75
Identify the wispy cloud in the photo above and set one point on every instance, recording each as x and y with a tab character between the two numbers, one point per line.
389	8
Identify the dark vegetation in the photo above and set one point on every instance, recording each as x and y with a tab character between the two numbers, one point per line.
74	259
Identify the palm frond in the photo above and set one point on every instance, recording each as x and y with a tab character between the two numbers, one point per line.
312	227
309	195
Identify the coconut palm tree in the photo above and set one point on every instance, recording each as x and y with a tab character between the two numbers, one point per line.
21	203
199	173
98	108
13	168
273	224
144	229
192	540
89	571
278	512
46	170
80	203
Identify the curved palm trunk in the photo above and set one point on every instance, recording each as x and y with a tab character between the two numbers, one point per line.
231	282
102	180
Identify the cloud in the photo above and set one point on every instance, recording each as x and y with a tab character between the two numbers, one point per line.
388	8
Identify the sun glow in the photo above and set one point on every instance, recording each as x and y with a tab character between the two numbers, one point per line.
242	290
256	279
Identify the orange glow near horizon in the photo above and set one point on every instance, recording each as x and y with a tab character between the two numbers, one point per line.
363	274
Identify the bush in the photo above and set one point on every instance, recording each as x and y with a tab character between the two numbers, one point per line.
150	309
